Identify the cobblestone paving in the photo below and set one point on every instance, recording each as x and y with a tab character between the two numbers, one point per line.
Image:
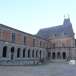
52	69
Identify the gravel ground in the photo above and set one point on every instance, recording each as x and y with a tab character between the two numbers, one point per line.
52	69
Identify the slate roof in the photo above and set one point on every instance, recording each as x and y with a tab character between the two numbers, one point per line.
64	30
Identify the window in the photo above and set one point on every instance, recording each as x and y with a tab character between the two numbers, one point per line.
28	53
64	55
53	55
13	37
23	52
24	40
12	49
12	53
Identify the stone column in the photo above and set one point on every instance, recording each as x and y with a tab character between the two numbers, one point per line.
26	54
1	51
8	52
31	53
21	52
15	53
35	53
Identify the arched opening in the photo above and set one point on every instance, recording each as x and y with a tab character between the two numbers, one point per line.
33	53
28	53
64	55
4	51
53	55
24	52
12	53
18	52
58	55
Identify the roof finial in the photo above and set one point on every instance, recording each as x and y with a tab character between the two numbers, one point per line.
66	16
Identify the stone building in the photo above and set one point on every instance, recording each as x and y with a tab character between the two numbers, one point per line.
20	48
61	41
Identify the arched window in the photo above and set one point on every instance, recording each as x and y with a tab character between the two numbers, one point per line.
33	53
24	52
12	53
28	53
53	55
18	52
64	55
4	51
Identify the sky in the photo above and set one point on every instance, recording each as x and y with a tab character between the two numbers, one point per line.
31	15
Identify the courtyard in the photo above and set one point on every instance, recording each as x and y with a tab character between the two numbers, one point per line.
51	69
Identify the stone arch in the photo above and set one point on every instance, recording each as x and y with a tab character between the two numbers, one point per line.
4	54
28	53
18	52
58	55
12	53
53	55
24	50
64	55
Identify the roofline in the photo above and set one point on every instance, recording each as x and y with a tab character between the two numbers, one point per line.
51	27
21	31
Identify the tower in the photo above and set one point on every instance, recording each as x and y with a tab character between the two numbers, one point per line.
67	21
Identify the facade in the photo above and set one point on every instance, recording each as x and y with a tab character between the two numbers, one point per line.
20	48
62	41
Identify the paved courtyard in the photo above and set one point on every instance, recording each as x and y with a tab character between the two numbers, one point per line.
52	69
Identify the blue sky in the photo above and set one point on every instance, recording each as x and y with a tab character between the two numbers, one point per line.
31	15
